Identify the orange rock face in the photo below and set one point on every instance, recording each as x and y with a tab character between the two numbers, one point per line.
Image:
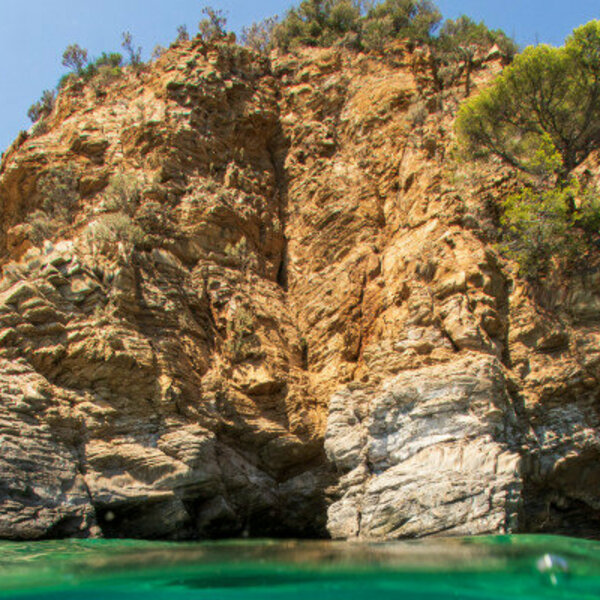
207	262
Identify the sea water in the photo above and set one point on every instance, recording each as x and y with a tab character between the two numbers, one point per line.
490	568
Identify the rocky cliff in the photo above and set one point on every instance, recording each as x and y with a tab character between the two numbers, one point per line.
251	296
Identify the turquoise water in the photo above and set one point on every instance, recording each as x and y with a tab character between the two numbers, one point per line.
490	568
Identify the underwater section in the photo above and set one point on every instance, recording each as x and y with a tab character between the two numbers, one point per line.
499	567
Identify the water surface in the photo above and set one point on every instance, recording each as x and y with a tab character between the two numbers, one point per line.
490	568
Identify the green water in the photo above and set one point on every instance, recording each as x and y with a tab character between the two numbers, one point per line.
490	568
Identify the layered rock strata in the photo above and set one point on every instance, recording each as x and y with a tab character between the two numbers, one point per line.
251	296
432	451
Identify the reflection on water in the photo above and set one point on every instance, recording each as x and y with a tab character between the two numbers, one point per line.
519	567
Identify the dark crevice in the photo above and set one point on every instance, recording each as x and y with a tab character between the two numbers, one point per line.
282	272
278	148
69	526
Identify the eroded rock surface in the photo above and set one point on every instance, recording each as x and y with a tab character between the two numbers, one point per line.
431	451
250	260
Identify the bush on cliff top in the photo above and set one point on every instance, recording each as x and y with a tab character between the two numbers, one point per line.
460	44
318	23
414	20
259	36
212	27
365	25
354	23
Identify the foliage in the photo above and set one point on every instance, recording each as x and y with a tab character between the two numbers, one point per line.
461	42
121	199
239	252
212	27
116	227
157	52
182	34
58	190
241	338
358	24
134	54
417	114
58	195
42	227
546	103
463	35
317	23
541	232
355	23
535	227
108	65
123	193
259	36
75	58
412	19
43	107
65	80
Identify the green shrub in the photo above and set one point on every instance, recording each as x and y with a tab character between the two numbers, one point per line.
75	58
465	35
182	34
123	193
104	69
116	227
259	36
157	52
239	252
58	197
541	232
58	191
42	227
414	20
242	342
461	43
542	116
317	23
356	24
536	229
107	65
65	80
213	27
134	54
43	107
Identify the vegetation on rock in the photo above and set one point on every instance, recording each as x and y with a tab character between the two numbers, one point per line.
75	58
371	26
259	36
541	116
355	24
43	107
58	196
545	102
541	233
182	34
225	214
134	54
212	27
461	43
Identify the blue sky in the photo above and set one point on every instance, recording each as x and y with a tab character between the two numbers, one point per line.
34	33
